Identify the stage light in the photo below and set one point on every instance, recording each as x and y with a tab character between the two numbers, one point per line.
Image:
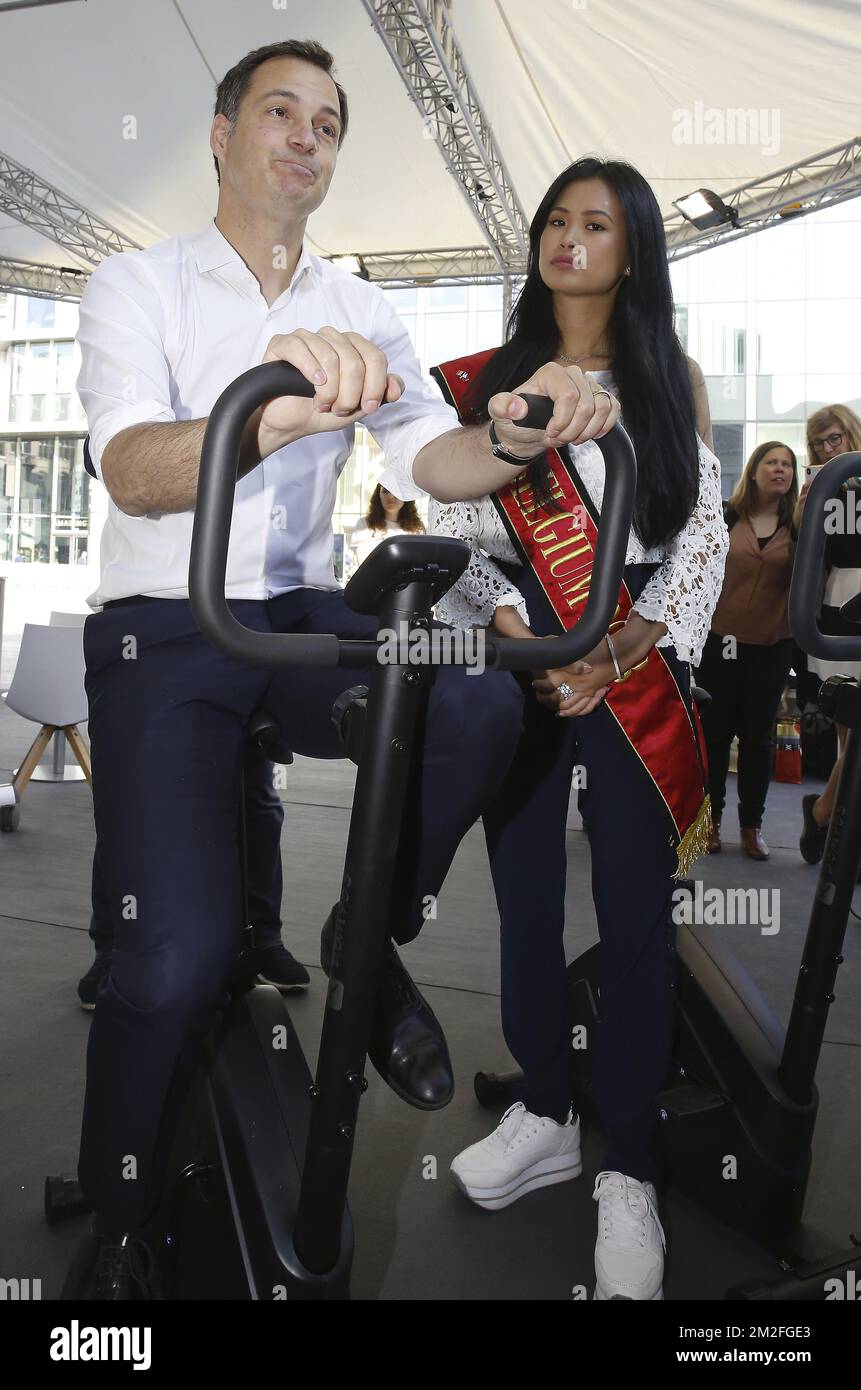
706	209
354	264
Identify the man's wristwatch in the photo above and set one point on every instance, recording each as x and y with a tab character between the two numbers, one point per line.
499	452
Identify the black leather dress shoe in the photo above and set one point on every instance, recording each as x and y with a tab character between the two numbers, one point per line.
112	1268
407	1045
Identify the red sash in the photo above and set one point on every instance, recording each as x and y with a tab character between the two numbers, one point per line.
661	726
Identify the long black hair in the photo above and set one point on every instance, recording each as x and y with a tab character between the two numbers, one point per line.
649	366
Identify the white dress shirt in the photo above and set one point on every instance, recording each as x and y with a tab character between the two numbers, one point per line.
162	333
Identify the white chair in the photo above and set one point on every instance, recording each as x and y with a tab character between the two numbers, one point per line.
68	619
48	688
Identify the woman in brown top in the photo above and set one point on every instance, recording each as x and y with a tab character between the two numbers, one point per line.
748	652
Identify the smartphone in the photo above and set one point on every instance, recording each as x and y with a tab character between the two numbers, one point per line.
811	471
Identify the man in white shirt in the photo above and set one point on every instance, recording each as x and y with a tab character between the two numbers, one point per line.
162	333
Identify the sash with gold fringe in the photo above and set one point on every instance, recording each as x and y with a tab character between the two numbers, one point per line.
653	710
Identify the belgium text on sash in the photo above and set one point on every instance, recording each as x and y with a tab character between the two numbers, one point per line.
660	724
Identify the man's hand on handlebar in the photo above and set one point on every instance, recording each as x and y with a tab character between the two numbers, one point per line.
581	411
351	377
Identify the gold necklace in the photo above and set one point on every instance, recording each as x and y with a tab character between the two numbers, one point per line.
584	357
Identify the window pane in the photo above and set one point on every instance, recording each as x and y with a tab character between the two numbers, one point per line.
36	459
40	313
720	339
833	263
780	337
779	264
681	317
489	329
66	367
723	272
38	374
7	496
445	337
729	447
780	397
402	299
726	397
833	389
446	297
65	466
832	339
19	355
73	481
490	297
34	533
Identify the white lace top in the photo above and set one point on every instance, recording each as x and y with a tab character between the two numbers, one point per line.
683	593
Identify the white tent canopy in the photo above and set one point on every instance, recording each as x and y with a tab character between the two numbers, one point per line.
663	84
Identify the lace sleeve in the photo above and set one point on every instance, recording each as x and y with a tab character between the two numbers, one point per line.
684	592
482	588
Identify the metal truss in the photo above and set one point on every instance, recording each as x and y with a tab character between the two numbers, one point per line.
41	281
821	181
420	40
478	264
44	208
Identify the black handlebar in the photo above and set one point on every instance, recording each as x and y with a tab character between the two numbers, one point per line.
809	556
214	511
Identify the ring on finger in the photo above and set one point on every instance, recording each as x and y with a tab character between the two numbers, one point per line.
565	690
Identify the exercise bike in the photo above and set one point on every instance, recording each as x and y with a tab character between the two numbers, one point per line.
259	1208
739	1085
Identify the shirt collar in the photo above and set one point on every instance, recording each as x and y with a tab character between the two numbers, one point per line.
212	250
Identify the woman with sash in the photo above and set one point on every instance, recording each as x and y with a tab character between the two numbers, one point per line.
597	300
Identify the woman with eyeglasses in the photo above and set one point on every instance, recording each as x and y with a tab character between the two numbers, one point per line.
749	650
833	430
597	300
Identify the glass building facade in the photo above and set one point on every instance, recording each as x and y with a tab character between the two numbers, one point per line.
772	320
44	488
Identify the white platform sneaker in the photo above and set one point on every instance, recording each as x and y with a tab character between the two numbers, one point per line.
524	1152
629	1251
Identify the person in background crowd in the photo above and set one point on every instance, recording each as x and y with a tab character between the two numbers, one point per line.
387	515
833	430
749	650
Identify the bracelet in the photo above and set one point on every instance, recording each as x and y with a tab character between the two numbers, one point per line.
613	657
498	450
